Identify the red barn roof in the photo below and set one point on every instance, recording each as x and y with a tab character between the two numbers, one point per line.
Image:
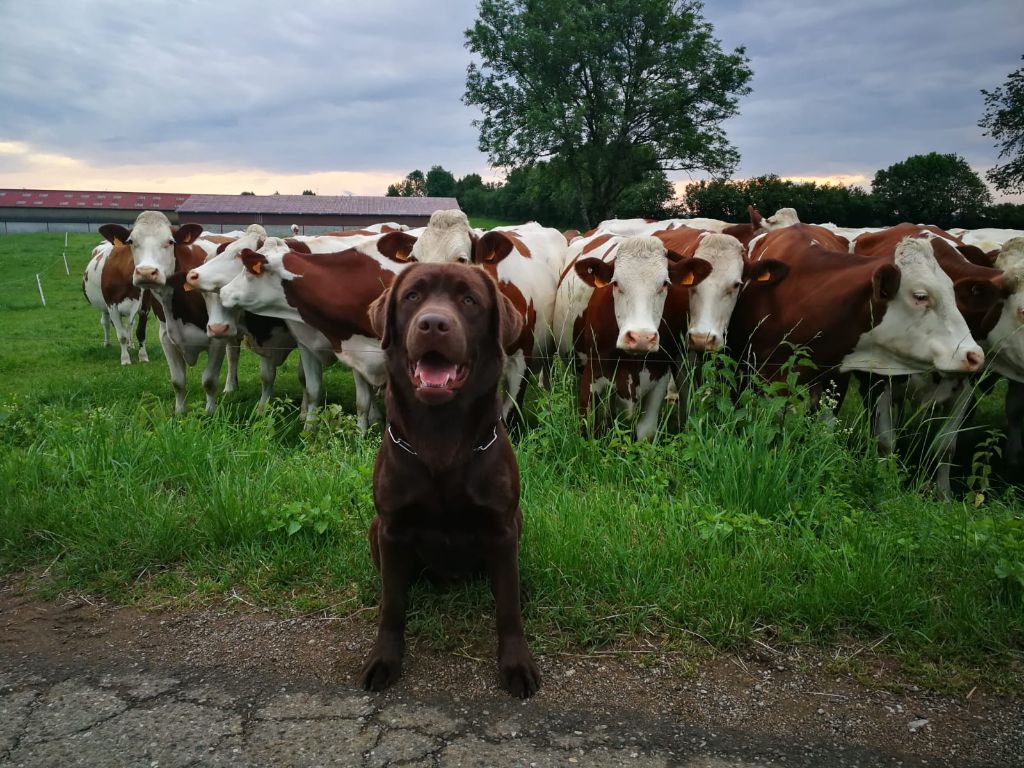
63	198
317	205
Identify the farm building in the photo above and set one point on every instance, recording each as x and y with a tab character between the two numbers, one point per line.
312	213
62	210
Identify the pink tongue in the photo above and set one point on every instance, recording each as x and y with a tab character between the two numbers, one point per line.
435	375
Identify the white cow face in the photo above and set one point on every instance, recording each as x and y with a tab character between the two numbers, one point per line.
639	278
152	241
219	269
713	299
1005	341
447	238
784	217
259	286
922	328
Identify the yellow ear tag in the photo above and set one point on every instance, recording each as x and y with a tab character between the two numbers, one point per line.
188	287
257	268
688	280
764	277
598	282
117	242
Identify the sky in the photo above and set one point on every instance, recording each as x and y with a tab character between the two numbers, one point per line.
345	97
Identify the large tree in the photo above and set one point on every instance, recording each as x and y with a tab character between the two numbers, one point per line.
614	89
1004	121
931	189
439	182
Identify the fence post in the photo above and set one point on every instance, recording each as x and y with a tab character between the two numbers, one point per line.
65	254
40	284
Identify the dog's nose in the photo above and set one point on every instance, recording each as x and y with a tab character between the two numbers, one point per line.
434	323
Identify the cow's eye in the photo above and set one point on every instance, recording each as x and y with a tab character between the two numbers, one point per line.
463	260
737	285
412	296
615	283
468	300
920	295
171	242
665	283
129	241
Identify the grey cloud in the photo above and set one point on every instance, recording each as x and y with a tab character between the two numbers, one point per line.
376	84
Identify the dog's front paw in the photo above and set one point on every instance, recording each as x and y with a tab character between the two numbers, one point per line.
517	669
383	667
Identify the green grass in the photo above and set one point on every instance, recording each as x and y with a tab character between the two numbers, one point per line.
754	522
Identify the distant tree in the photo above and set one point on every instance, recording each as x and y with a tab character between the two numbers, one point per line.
1004	121
309	192
931	189
608	88
439	183
249	193
276	192
413	185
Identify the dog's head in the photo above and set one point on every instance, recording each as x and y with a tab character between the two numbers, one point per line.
444	329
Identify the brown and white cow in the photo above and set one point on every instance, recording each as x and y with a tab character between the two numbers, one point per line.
892	316
271	337
327	294
620	306
107	285
162	255
989	300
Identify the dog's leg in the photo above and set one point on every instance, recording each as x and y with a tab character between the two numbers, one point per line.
396	561
516	668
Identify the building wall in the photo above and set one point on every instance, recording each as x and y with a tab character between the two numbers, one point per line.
277	224
14	220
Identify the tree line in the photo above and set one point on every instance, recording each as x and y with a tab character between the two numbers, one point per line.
933	188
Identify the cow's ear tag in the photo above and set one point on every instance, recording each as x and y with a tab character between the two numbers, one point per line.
188	287
257	268
117	242
599	283
764	277
688	280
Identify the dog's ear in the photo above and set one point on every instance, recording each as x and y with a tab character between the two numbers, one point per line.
380	315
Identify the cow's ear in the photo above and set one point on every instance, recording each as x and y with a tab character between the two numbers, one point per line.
765	271
396	246
976	295
595	272
221	248
492	248
379	313
115	233
297	245
975	255
255	263
187	234
688	272
886	282
755	216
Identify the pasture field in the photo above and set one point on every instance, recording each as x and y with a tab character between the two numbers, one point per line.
756	524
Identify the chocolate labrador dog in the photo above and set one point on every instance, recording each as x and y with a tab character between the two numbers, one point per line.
446	482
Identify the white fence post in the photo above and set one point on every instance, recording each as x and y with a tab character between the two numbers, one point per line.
40	284
65	254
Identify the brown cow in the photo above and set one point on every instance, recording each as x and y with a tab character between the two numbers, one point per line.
848	312
107	285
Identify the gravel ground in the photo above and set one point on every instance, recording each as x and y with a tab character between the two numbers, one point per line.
85	683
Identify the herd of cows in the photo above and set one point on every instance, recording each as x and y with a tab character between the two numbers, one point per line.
913	311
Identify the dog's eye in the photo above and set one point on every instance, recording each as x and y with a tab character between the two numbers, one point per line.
468	300
412	296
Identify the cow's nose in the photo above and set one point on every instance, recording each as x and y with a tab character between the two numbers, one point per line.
641	341
192	278
974	360
147	273
217	329
704	341
433	322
